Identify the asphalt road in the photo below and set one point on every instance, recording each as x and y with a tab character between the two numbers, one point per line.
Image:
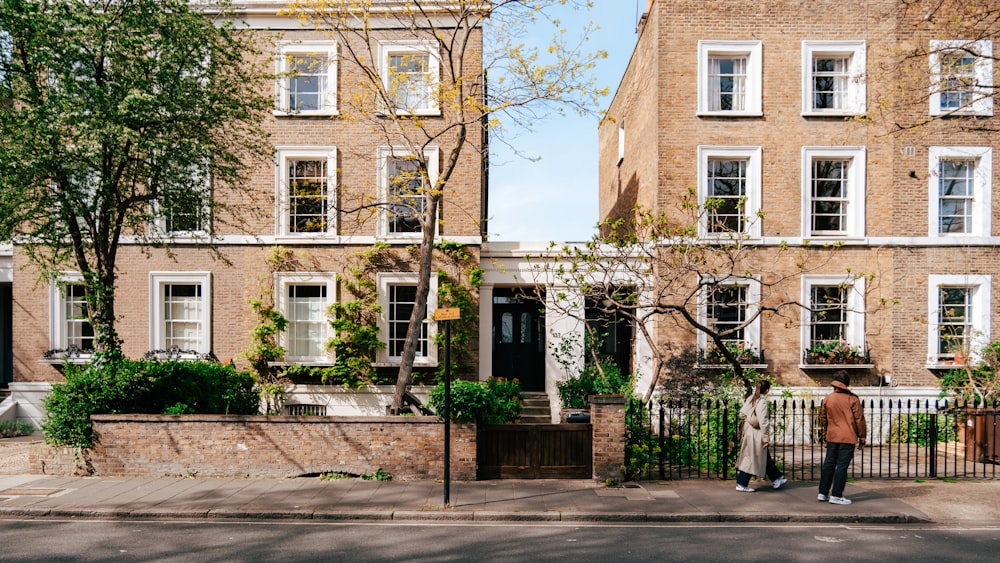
172	541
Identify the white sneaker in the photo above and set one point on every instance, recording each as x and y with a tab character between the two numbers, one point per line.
743	489
822	498
779	482
840	500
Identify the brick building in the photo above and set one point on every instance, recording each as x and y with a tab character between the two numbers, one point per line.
338	148
860	132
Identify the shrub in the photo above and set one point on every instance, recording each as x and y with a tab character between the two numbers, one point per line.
12	428
574	392
496	401
142	387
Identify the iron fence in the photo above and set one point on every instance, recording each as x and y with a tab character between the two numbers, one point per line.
907	439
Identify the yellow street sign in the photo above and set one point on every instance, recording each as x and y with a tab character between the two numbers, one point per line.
447	314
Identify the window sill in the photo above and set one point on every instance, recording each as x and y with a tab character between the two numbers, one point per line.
730	114
416	364
836	113
324	113
943	365
835	366
308	363
82	360
727	366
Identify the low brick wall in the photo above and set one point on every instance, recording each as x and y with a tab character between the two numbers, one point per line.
267	446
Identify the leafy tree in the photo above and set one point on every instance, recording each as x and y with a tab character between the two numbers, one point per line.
525	85
655	269
114	117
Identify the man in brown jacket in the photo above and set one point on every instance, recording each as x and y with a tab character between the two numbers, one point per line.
844	429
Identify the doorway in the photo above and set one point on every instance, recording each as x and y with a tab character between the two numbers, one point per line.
6	335
519	338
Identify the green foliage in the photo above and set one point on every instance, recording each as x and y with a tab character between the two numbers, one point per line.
915	428
495	401
834	352
977	382
122	110
142	387
602	378
377	475
12	428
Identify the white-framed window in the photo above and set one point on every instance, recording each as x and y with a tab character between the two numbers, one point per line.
621	142
729	77
184	207
6	54
961	77
304	299
411	74
958	310
726	307
833	191
835	311
306	191
402	183
70	328
180	311
960	189
729	190
833	78
306	78
396	295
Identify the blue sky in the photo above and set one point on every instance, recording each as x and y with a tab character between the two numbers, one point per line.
555	198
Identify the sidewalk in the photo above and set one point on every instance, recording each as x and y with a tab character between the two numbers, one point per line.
694	500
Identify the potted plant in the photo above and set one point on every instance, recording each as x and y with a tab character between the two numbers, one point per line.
744	354
834	352
977	385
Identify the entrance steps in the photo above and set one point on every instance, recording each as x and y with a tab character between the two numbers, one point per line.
535	408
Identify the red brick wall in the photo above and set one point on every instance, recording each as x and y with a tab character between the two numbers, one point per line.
607	418
267	446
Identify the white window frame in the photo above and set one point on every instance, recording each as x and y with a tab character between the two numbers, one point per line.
285	280
855	219
410	48
157	335
753	51
854	330
383	281
752	204
206	217
982	290
751	332
855	101
431	156
982	103
982	193
283	192
58	323
282	91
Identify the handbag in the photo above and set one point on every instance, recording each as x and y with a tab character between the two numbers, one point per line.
752	420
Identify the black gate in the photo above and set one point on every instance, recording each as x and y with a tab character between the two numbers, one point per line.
534	451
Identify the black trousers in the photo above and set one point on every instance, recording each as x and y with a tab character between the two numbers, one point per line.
743	478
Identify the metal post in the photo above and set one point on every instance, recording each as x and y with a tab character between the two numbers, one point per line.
447	413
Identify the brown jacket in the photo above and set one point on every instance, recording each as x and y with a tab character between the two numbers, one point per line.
841	417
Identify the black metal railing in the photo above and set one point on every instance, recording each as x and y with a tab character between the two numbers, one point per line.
907	439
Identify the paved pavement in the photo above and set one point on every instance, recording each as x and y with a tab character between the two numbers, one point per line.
972	503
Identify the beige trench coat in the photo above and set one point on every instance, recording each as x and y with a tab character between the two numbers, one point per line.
753	454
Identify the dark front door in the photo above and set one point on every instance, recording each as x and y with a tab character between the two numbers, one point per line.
518	339
6	335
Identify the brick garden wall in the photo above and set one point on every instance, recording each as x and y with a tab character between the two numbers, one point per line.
266	446
607	417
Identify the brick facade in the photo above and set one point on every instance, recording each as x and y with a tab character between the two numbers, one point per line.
656	106
607	417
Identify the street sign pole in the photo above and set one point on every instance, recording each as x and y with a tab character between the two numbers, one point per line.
447	315
447	413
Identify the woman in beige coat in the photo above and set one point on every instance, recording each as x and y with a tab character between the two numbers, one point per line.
755	458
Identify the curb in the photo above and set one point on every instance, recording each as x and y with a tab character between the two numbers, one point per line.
452	516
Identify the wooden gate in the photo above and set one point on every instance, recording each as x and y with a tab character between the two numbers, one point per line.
534	451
